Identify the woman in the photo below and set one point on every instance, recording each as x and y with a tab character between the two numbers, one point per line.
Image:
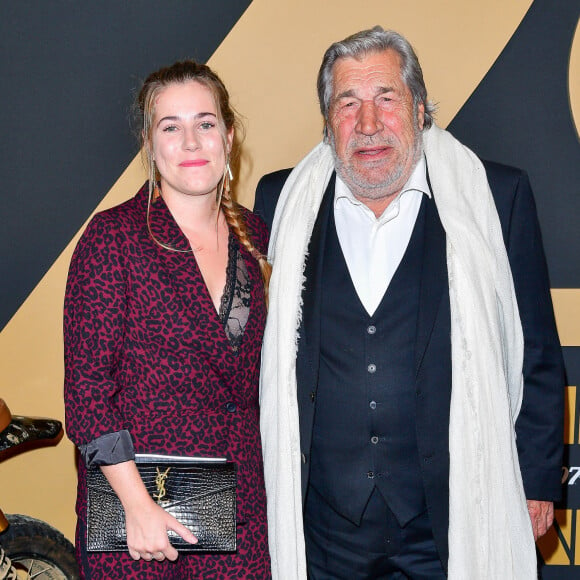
164	314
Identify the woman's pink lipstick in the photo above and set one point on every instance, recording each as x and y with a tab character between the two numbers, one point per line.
194	163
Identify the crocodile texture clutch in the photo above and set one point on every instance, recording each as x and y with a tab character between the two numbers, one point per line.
199	493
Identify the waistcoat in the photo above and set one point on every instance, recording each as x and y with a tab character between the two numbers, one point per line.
364	433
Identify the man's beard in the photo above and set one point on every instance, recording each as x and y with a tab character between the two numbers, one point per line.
359	185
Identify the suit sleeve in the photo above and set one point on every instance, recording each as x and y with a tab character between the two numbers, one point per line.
260	205
267	194
94	317
258	230
539	427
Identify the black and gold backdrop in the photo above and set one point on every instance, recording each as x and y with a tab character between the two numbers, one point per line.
506	78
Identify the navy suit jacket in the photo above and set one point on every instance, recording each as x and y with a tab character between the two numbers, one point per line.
539	427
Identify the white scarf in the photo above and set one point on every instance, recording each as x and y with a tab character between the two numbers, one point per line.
490	534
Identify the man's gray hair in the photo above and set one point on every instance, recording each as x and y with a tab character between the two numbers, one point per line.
375	39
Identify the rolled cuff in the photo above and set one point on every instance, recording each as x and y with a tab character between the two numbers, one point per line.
108	449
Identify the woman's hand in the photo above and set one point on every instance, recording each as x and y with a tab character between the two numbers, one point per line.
147	523
147	526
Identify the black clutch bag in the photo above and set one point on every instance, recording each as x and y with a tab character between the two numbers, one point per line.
199	493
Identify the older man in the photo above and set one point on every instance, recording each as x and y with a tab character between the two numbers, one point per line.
394	353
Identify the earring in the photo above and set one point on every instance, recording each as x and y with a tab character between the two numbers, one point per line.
228	177
156	191
154	179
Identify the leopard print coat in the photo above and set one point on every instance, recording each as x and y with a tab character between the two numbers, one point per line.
145	351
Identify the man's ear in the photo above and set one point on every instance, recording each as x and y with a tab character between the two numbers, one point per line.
325	133
421	116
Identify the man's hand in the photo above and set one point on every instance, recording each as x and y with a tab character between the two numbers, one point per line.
542	516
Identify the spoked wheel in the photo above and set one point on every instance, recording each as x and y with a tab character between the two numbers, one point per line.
38	551
7	571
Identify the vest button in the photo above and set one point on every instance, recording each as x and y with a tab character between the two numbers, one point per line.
231	407
371	474
372	368
374	439
373	405
371	329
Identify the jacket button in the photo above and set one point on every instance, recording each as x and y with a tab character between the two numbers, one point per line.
374	439
371	474
372	368
231	407
303	456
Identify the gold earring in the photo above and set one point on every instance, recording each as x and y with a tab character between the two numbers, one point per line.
228	177
156	191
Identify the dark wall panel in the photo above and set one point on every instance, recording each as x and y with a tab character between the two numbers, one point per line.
520	115
69	71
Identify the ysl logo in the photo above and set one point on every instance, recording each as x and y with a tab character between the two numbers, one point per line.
160	480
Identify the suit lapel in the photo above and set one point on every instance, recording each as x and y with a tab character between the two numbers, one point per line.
434	280
182	274
311	295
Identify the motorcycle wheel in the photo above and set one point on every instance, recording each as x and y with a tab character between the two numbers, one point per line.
38	550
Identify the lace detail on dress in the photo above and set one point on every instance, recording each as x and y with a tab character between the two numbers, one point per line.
235	303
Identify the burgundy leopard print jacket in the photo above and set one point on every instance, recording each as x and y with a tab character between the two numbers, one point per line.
145	351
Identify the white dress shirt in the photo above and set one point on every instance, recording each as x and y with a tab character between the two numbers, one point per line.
374	247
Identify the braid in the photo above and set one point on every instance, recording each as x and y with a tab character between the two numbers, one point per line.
236	222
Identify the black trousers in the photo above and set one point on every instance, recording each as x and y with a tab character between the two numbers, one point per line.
337	549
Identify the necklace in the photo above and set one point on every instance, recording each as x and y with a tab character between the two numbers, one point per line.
193	247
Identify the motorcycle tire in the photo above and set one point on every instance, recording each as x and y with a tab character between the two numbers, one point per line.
38	550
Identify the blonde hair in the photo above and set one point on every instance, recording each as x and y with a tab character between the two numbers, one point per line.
182	72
